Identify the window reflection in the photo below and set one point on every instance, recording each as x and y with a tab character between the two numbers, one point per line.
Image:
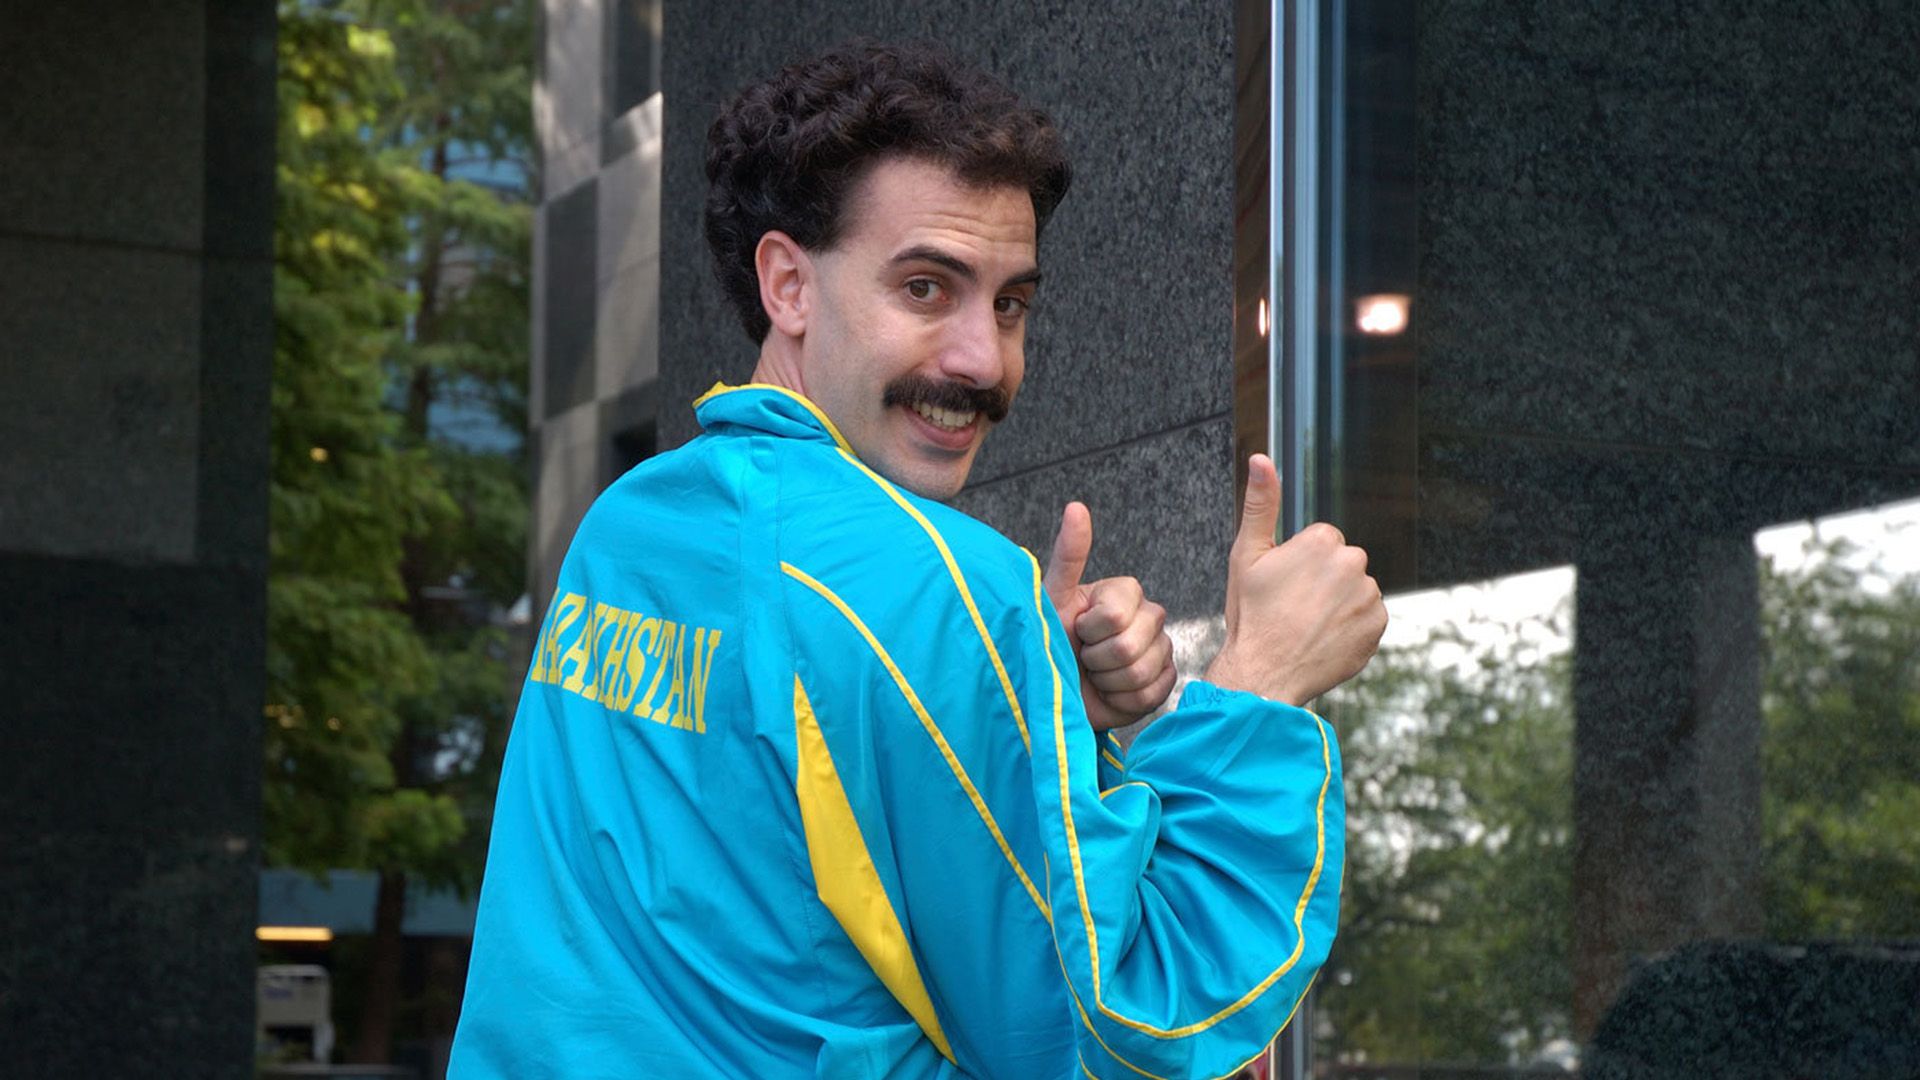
1457	944
1457	743
1662	819
1841	703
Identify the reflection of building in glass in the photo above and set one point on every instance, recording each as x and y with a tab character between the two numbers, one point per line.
1457	743
1635	345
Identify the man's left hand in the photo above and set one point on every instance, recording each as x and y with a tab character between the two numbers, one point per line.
1118	635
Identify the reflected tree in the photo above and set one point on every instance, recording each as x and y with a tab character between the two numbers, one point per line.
1456	927
1456	937
1842	752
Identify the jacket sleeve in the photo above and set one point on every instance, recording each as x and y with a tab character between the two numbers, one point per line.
1189	902
1112	762
1193	904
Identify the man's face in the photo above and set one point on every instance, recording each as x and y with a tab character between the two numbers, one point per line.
913	345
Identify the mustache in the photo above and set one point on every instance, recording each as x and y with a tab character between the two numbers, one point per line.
910	390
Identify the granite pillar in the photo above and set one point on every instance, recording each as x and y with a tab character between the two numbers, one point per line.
136	336
1128	395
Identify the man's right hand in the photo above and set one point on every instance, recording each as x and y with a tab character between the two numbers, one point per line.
1303	616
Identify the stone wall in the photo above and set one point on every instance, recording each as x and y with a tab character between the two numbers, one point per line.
1127	400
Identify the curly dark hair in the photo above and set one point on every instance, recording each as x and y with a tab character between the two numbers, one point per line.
785	153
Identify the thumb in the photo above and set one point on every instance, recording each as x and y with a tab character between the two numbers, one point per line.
1259	511
1070	549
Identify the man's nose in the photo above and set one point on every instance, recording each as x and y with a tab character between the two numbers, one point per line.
974	354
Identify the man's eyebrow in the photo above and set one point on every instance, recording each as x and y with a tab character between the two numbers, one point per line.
927	253
1026	277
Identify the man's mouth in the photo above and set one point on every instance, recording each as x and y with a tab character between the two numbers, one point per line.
947	415
947	404
945	419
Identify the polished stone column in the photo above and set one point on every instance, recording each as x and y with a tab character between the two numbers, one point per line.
136	338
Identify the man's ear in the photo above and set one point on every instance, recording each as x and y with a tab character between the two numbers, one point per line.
786	282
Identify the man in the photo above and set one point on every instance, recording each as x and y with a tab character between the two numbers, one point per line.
803	782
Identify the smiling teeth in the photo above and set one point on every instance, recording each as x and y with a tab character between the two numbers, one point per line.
945	418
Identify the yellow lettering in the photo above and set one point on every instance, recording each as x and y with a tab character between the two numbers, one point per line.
608	657
705	641
676	704
612	683
605	617
657	633
537	666
637	660
547	660
577	654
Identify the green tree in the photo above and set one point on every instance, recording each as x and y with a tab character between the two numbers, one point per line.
400	299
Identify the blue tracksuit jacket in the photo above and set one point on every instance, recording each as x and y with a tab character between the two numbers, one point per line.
801	785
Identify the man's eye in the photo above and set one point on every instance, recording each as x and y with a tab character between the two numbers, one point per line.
923	289
1011	306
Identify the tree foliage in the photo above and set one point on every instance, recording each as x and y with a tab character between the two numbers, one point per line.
1842	708
1456	937
400	301
1456	931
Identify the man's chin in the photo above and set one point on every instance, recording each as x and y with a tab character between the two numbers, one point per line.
938	491
937	482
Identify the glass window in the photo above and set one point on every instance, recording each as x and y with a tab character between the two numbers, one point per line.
1595	326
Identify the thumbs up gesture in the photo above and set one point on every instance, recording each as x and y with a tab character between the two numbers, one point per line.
1303	616
1118	635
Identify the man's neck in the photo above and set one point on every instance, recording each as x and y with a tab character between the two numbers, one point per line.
779	363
